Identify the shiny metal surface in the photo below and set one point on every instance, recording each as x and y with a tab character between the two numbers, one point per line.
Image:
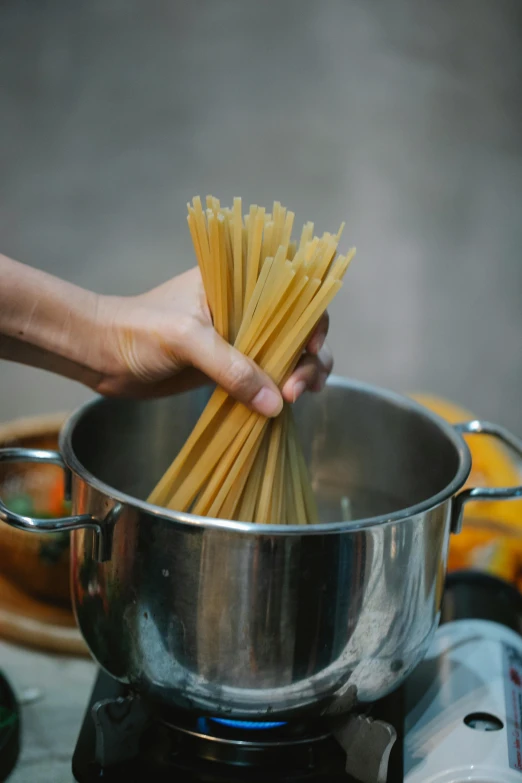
123	463
56	524
254	621
368	744
486	493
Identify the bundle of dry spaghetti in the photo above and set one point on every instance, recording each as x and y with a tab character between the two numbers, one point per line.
266	295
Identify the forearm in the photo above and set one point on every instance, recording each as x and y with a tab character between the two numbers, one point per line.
48	323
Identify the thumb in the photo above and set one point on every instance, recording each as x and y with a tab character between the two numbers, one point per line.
235	373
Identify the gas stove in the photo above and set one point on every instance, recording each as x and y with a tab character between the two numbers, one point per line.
121	740
458	719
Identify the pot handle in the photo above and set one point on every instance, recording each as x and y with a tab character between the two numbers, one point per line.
484	493
61	524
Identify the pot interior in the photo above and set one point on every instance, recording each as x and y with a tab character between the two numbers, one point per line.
369	452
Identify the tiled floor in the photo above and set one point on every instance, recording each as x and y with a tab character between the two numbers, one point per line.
404	118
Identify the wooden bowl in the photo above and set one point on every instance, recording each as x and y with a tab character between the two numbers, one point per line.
36	563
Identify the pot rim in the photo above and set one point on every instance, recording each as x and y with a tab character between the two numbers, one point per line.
458	442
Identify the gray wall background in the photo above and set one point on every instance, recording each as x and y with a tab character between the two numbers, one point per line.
403	117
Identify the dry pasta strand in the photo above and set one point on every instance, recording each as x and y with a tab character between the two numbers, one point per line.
266	294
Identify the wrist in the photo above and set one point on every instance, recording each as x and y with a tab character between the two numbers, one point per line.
49	323
104	357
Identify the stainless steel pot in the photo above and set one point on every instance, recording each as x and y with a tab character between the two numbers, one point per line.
264	621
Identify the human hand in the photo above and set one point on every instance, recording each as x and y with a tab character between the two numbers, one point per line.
163	342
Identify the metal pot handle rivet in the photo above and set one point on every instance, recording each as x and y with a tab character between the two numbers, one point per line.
484	493
60	524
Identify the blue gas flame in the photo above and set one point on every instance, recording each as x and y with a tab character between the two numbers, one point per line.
249	725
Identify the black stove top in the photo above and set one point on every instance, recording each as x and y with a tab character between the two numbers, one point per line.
117	743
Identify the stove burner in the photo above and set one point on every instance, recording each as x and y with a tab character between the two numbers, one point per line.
121	740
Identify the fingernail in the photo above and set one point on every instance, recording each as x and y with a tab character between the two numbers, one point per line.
299	388
268	402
